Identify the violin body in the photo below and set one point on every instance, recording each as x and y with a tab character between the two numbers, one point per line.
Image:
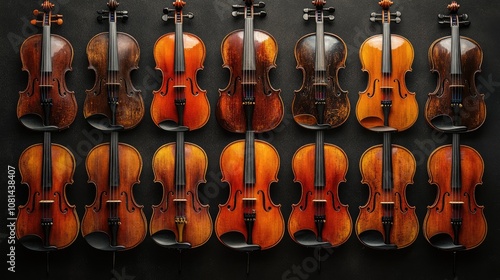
64	107
337	226
404	110
472	113
437	220
65	222
269	226
337	106
131	109
133	225
198	228
163	105
406	226
268	110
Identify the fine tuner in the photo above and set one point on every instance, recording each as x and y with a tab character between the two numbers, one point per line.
308	13
378	17
167	16
39	18
257	5
103	14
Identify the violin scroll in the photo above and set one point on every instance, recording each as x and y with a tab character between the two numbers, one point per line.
454	19
46	9
312	13
249	4
112	5
179	5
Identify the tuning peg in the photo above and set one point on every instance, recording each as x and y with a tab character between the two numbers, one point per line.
397	14
102	12
329	17
307	16
188	15
329	9
57	19
396	20
236	13
36	12
237	6
168	10
261	14
260	5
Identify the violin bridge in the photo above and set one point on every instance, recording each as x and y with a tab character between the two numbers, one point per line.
387	202
319	200
46	201
113	201
456	202
180	200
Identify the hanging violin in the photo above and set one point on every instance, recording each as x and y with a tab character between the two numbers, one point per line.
320	56
249	220
387	221
114	221
455	221
180	221
386	58
47	221
320	219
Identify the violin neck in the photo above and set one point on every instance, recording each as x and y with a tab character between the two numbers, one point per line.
114	169
113	46
180	162
46	65
319	162
456	67
249	162
179	66
248	45
47	161
456	181
386	49
387	162
320	42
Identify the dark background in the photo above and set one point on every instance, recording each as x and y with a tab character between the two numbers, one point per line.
287	260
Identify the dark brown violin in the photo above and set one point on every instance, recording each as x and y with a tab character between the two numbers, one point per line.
47	58
456	84
387	221
320	56
249	55
386	58
112	56
47	221
114	221
180	221
454	221
320	219
249	220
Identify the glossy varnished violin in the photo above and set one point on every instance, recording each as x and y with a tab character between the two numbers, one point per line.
114	221
386	58
387	221
320	56
320	219
249	55
249	220
47	221
456	82
455	221
180	221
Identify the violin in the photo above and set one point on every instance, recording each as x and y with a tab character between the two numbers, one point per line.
47	221
319	56
386	58
180	221
47	58
387	221
249	220
249	55
114	221
456	95
112	56
320	219
455	221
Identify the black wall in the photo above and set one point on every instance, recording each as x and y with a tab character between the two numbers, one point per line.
287	260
